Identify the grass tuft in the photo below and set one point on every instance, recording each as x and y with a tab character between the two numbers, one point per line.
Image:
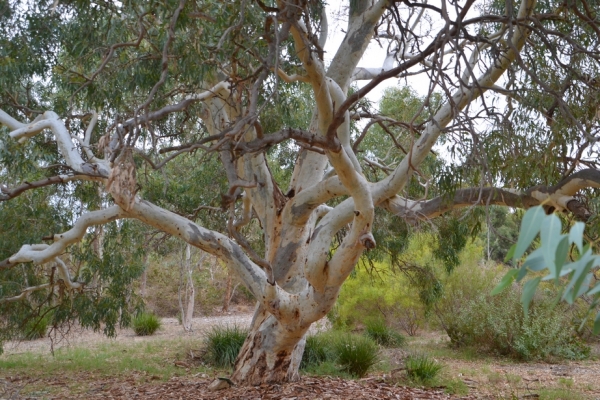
356	354
145	324
223	345
317	351
422	368
36	328
383	335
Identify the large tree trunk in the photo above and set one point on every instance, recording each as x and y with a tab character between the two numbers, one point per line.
271	353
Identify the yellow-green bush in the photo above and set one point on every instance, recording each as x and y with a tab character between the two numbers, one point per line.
402	295
369	296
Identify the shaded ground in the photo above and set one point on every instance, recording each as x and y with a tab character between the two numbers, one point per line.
176	374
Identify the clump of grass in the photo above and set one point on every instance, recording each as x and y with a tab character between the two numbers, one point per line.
383	335
421	367
36	327
223	345
145	324
317	350
356	354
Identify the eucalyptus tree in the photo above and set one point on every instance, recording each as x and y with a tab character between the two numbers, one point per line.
107	91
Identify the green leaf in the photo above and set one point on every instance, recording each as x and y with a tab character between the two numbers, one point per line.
530	227
535	261
506	281
561	253
522	274
550	237
594	290
582	266
528	292
511	253
597	324
576	235
584	286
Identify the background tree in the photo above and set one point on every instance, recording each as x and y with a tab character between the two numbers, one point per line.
96	94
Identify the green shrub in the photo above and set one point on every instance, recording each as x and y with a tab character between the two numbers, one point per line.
497	325
356	354
338	322
421	367
383	335
223	345
145	324
36	328
318	350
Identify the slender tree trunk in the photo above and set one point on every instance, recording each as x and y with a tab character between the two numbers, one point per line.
227	296
143	284
144	278
187	291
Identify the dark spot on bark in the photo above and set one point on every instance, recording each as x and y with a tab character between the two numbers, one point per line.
281	262
357	213
282	357
195	233
302	209
356	41
274	304
296	314
290	194
316	232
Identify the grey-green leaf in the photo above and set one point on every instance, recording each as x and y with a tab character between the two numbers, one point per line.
530	227
576	235
528	292
506	280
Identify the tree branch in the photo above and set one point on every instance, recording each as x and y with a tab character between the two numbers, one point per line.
41	253
10	193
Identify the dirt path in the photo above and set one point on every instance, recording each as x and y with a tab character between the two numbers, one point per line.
84	337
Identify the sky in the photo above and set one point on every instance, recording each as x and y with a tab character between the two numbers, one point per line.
374	56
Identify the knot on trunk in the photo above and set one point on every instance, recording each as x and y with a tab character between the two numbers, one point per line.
122	183
368	241
579	210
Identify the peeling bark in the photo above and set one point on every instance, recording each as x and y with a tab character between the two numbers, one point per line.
271	353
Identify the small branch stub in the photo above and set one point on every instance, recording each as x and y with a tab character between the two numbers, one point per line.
122	183
368	241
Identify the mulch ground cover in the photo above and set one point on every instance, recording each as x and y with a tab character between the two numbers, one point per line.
185	388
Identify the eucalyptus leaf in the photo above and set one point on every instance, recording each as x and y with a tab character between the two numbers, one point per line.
535	261
550	237
576	235
528	292
507	279
597	324
595	290
530	227
562	251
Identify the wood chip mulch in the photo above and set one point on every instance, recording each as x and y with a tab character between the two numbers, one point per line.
308	388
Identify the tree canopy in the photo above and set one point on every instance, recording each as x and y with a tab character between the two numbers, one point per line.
235	128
